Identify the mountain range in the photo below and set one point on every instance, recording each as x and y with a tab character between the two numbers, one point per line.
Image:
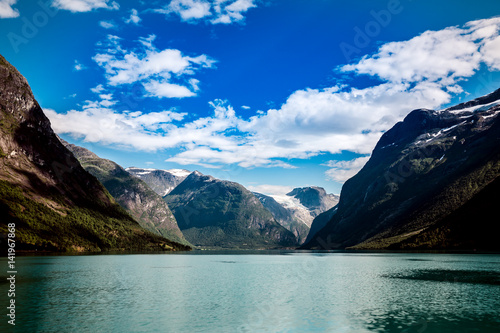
218	213
54	203
431	183
297	209
135	196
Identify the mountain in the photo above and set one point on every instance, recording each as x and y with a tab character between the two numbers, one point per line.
54	203
160	181
315	199
217	213
320	222
296	210
134	195
430	183
285	217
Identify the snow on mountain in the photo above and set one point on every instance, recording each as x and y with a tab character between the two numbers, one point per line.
160	181
306	203
301	212
475	108
179	172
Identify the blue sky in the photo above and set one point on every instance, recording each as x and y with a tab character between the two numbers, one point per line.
271	94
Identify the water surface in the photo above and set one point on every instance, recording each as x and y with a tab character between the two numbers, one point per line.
282	292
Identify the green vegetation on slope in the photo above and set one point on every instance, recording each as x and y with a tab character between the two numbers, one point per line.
224	214
134	195
75	230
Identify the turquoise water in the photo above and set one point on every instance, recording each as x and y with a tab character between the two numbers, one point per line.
285	292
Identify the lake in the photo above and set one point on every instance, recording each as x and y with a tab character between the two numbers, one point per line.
256	292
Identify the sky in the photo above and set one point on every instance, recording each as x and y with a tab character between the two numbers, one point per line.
273	94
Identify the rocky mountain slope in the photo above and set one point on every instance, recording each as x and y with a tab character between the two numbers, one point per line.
315	199
134	195
285	217
296	210
55	204
217	213
160	181
429	184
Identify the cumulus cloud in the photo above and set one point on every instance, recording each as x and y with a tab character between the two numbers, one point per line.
163	73
107	24
310	122
211	11
98	89
227	12
6	10
270	189
78	6
134	17
443	56
340	171
79	66
189	9
99	123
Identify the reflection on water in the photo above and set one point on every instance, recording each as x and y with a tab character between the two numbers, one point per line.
455	276
285	292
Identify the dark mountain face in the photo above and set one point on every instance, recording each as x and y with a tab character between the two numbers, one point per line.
319	223
134	195
421	173
160	181
216	213
54	202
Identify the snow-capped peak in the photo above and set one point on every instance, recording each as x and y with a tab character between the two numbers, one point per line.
179	172
475	108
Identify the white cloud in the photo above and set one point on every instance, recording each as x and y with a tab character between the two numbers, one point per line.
78	6
134	17
166	89
6	10
310	122
98	123
97	89
78	66
443	56
189	9
107	24
270	189
211	11
232	12
165	73
343	170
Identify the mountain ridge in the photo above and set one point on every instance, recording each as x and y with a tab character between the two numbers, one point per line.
55	204
218	213
298	208
160	181
133	194
421	171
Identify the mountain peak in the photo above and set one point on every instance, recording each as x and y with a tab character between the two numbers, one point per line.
314	198
221	213
198	176
422	170
160	181
57	205
489	99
